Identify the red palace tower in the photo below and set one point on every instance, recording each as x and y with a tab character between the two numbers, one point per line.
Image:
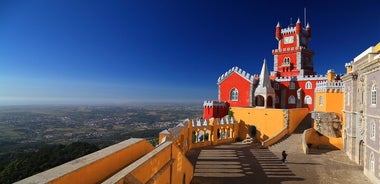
291	84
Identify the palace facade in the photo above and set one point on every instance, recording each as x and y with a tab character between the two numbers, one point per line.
362	112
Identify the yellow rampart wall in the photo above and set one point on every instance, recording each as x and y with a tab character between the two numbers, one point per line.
332	102
271	124
315	140
296	116
136	161
268	122
95	167
165	164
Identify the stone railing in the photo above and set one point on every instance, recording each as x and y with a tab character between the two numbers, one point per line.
306	136
275	138
202	132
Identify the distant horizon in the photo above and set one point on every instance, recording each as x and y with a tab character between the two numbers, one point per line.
96	52
105	104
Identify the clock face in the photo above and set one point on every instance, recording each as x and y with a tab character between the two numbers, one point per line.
288	39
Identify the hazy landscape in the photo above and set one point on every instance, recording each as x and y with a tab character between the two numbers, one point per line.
29	129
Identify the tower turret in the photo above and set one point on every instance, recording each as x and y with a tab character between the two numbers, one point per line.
278	31
298	26
308	29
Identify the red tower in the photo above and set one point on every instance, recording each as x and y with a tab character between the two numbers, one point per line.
293	57
293	75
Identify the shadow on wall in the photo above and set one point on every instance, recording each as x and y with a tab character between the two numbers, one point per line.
246	131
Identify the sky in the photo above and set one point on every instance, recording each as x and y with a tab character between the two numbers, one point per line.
132	51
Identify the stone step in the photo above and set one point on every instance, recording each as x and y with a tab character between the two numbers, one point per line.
290	144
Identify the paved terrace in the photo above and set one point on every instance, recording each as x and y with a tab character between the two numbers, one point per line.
243	163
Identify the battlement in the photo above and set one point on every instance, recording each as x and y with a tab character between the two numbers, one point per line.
300	78
239	71
288	49
349	64
213	121
288	30
214	103
325	86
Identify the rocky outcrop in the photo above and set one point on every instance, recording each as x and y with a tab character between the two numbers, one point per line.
328	124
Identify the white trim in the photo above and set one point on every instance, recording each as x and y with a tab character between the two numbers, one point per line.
308	100
234	94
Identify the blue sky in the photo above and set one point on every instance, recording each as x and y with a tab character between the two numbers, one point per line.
94	52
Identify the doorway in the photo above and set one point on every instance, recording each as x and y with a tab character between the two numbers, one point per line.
252	131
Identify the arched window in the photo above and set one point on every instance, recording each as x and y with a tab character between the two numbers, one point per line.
308	85
291	100
292	85
286	61
234	95
320	101
308	100
372	162
373	130
373	95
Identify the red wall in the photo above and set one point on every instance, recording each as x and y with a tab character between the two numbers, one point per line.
289	92
215	111
241	84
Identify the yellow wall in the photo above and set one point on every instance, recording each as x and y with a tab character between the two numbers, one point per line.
332	102
268	122
317	106
95	167
165	164
296	116
132	161
316	140
377	48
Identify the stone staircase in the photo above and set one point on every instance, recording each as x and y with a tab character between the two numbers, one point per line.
293	142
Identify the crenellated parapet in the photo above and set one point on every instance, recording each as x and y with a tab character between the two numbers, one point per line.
238	71
300	78
289	49
326	86
226	120
214	103
349	64
288	30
